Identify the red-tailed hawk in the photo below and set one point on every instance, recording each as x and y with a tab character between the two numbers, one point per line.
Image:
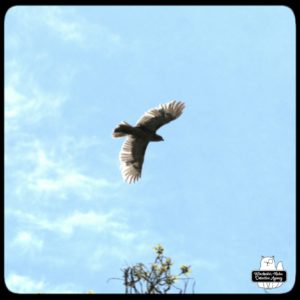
138	137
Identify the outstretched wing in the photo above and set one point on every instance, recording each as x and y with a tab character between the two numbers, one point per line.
132	158
161	115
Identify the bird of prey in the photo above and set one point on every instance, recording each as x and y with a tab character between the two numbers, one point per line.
138	137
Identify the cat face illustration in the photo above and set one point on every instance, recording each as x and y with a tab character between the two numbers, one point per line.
267	263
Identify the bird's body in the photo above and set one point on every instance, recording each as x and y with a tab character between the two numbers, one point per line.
139	136
143	132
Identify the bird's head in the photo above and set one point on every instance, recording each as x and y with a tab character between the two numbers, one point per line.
158	138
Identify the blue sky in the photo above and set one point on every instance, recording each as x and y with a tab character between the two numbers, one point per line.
218	193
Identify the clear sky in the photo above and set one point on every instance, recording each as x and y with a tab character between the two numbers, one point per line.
218	193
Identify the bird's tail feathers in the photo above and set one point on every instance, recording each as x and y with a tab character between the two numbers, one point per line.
122	130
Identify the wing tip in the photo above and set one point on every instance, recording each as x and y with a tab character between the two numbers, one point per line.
129	174
129	178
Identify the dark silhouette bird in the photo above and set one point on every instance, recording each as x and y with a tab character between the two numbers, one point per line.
138	137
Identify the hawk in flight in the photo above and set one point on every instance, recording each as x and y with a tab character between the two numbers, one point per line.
138	137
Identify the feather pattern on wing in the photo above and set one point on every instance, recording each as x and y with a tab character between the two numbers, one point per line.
161	115
132	158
